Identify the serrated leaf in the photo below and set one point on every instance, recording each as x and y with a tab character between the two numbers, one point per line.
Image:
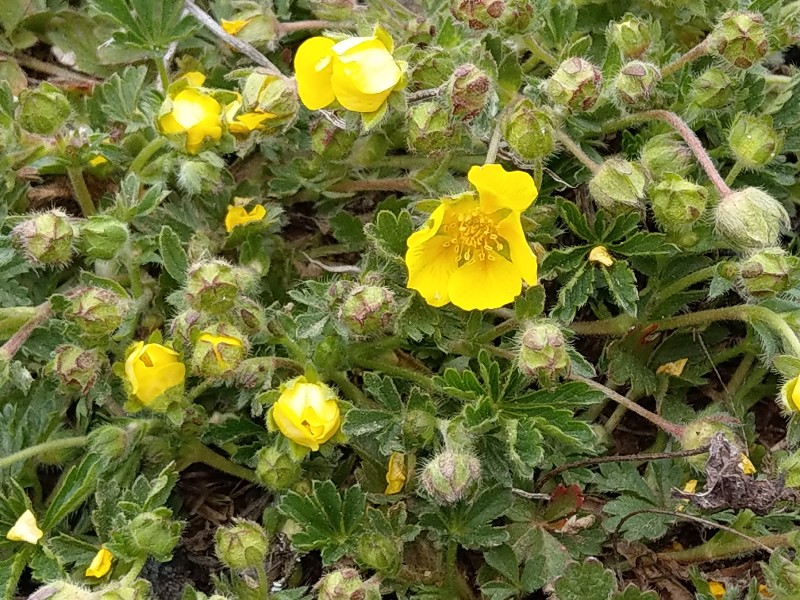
787	365
119	97
348	230
173	255
574	293
645	244
576	220
503	560
390	231
586	581
644	526
530	304
75	486
383	389
621	284
633	592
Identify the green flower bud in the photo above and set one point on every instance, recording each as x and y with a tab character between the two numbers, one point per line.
343	584
60	590
770	272
43	110
529	131
430	130
618	185
753	140
276	470
677	203
477	14
368	310
330	142
58	457
740	38
432	69
248	316
274	94
243	545
140	590
102	237
76	368
575	84
632	36
699	432
543	350
186	327
113	442
46	238
154	533
787	29
449	476
214	285
712	89
419	427
751	219
468	91
97	312
517	16
379	552
664	153
636	82
333	10
218	351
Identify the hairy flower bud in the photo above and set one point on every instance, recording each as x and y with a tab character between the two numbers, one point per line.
636	82
770	272
517	16
529	131
186	326
450	475
542	350
665	153
379	552
342	584
753	140
333	10
330	142
478	14
430	130
368	310
102	237
468	91
618	185
575	84
140	590
273	95
712	89
242	545
677	202
632	36
60	590
97	312
276	470
214	285
154	533
76	368
751	219
248	316
218	351
740	38
43	110
46	238
699	432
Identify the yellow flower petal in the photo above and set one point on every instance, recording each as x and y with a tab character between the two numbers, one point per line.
716	589
796	393
215	341
600	255
313	67
195	78
396	473
101	563
307	413
151	370
351	97
691	486
25	529
674	368
485	284
500	189
196	114
430	266
510	229
238	215
98	160
234	26
368	65
430	228
746	465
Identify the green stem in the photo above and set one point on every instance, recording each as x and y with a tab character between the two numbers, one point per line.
285	28
421	380
199	389
450	567
497	331
82	194
329	250
494	143
51	446
575	149
162	72
197	452
146	153
681	284
734	172
18	339
351	390
135	277
536	49
263	581
699	50
715	550
133	572
14	317
284	340
616	326
404	161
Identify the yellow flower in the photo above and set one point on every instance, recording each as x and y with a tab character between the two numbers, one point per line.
396	473
244	122
234	26
216	341
674	368
746	465
307	413
192	112
101	563
791	393
472	251
716	589
691	486
600	254
151	370
238	215
25	529
359	72
98	160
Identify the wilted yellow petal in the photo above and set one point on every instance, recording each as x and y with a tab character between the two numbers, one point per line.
396	473
98	160
25	529
600	254
674	368
691	486
238	215
101	563
716	589
234	26
746	465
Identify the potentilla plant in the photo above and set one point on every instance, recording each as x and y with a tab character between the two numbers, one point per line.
486	298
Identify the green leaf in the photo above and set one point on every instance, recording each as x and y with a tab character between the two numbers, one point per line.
119	97
389	232
634	592
530	304
148	25
503	560
576	220
586	581
574	293
644	526
621	284
787	365
75	486
348	230
383	389
173	255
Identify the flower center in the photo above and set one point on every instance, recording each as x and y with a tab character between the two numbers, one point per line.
474	236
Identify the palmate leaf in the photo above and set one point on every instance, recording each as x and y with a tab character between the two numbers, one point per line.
586	581
621	285
469	523
148	25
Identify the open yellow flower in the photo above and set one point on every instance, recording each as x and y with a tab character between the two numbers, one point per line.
192	112
25	529
790	393
152	369
359	72
396	473
307	413
244	122
472	251
101	563
238	215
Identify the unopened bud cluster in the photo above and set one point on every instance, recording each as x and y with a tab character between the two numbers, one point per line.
618	185
450	476
46	239
362	310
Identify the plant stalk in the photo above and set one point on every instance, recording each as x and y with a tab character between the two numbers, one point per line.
51	446
146	153
82	194
16	341
389	184
698	51
539	52
575	149
197	452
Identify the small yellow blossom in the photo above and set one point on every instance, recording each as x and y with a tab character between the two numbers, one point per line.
396	473
192	112
600	255
674	368
98	160
691	486
101	563
472	251
746	465
764	591
791	394
216	341
25	529
359	72
307	413
238	215
244	123
151	370
234	26
716	589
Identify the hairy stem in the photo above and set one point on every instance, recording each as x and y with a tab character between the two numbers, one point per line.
146	153
421	380
197	452
684	282
539	52
494	143
390	184
51	446
450	568
721	551
496	331
16	341
284	28
736	169
82	194
698	51
162	72
577	151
